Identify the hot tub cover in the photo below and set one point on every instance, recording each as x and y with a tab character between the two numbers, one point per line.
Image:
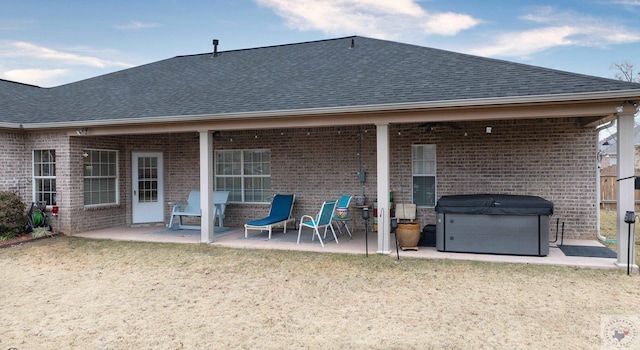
494	204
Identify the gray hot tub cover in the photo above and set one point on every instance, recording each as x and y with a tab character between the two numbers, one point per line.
494	204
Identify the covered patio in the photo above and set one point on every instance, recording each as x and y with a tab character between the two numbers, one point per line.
234	238
357	116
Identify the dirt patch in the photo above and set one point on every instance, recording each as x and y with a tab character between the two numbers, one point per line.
68	292
23	238
17	240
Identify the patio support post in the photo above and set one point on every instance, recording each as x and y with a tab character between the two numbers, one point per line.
382	140
206	186
626	192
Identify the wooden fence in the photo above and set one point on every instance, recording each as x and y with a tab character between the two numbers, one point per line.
609	193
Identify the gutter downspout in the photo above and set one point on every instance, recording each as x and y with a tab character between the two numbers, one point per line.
600	236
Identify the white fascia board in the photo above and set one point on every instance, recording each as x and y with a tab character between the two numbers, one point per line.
10	125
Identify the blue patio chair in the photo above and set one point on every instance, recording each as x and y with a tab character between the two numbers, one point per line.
220	201
189	208
192	208
279	215
322	220
341	217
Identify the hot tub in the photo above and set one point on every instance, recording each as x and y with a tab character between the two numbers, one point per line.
494	224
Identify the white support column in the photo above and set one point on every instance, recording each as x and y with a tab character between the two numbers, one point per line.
206	186
382	141
626	200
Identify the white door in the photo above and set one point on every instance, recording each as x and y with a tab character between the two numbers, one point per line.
148	187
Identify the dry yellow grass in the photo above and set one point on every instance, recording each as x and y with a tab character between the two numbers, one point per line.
608	227
72	293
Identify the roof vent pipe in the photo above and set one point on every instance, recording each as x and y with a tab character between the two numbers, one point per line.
215	47
353	43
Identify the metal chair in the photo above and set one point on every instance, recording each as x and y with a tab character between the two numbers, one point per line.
279	215
342	221
322	220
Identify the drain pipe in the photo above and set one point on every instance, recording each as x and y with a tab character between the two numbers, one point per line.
598	196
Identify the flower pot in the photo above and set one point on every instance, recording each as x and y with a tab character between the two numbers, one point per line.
408	235
342	213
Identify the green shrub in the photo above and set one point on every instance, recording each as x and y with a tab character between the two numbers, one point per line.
40	232
13	215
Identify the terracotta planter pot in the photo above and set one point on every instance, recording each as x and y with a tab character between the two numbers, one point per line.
408	235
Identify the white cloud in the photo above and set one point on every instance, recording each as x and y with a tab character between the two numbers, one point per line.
375	18
527	42
40	77
32	64
31	51
135	25
449	23
557	29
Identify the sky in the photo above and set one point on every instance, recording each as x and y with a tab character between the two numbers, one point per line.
51	43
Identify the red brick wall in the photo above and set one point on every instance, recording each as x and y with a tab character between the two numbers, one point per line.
315	165
181	166
553	158
180	153
15	160
91	218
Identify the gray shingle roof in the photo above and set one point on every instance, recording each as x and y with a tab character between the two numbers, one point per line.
17	100
319	74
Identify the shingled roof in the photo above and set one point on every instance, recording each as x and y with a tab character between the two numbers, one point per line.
351	71
17	100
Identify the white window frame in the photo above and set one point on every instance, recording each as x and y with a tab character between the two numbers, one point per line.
86	155
51	176
426	167
242	176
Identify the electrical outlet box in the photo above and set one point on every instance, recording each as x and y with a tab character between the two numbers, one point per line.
362	176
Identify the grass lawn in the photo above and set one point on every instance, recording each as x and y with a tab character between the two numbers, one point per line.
74	293
608	227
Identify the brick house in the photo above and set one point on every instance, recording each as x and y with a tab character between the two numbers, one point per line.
305	118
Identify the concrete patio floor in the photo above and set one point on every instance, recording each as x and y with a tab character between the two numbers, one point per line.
234	238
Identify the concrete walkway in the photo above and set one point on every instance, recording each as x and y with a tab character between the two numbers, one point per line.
234	238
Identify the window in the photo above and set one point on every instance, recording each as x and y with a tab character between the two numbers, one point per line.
245	173
423	169
100	177
44	176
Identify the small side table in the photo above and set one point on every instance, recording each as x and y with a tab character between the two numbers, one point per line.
343	223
